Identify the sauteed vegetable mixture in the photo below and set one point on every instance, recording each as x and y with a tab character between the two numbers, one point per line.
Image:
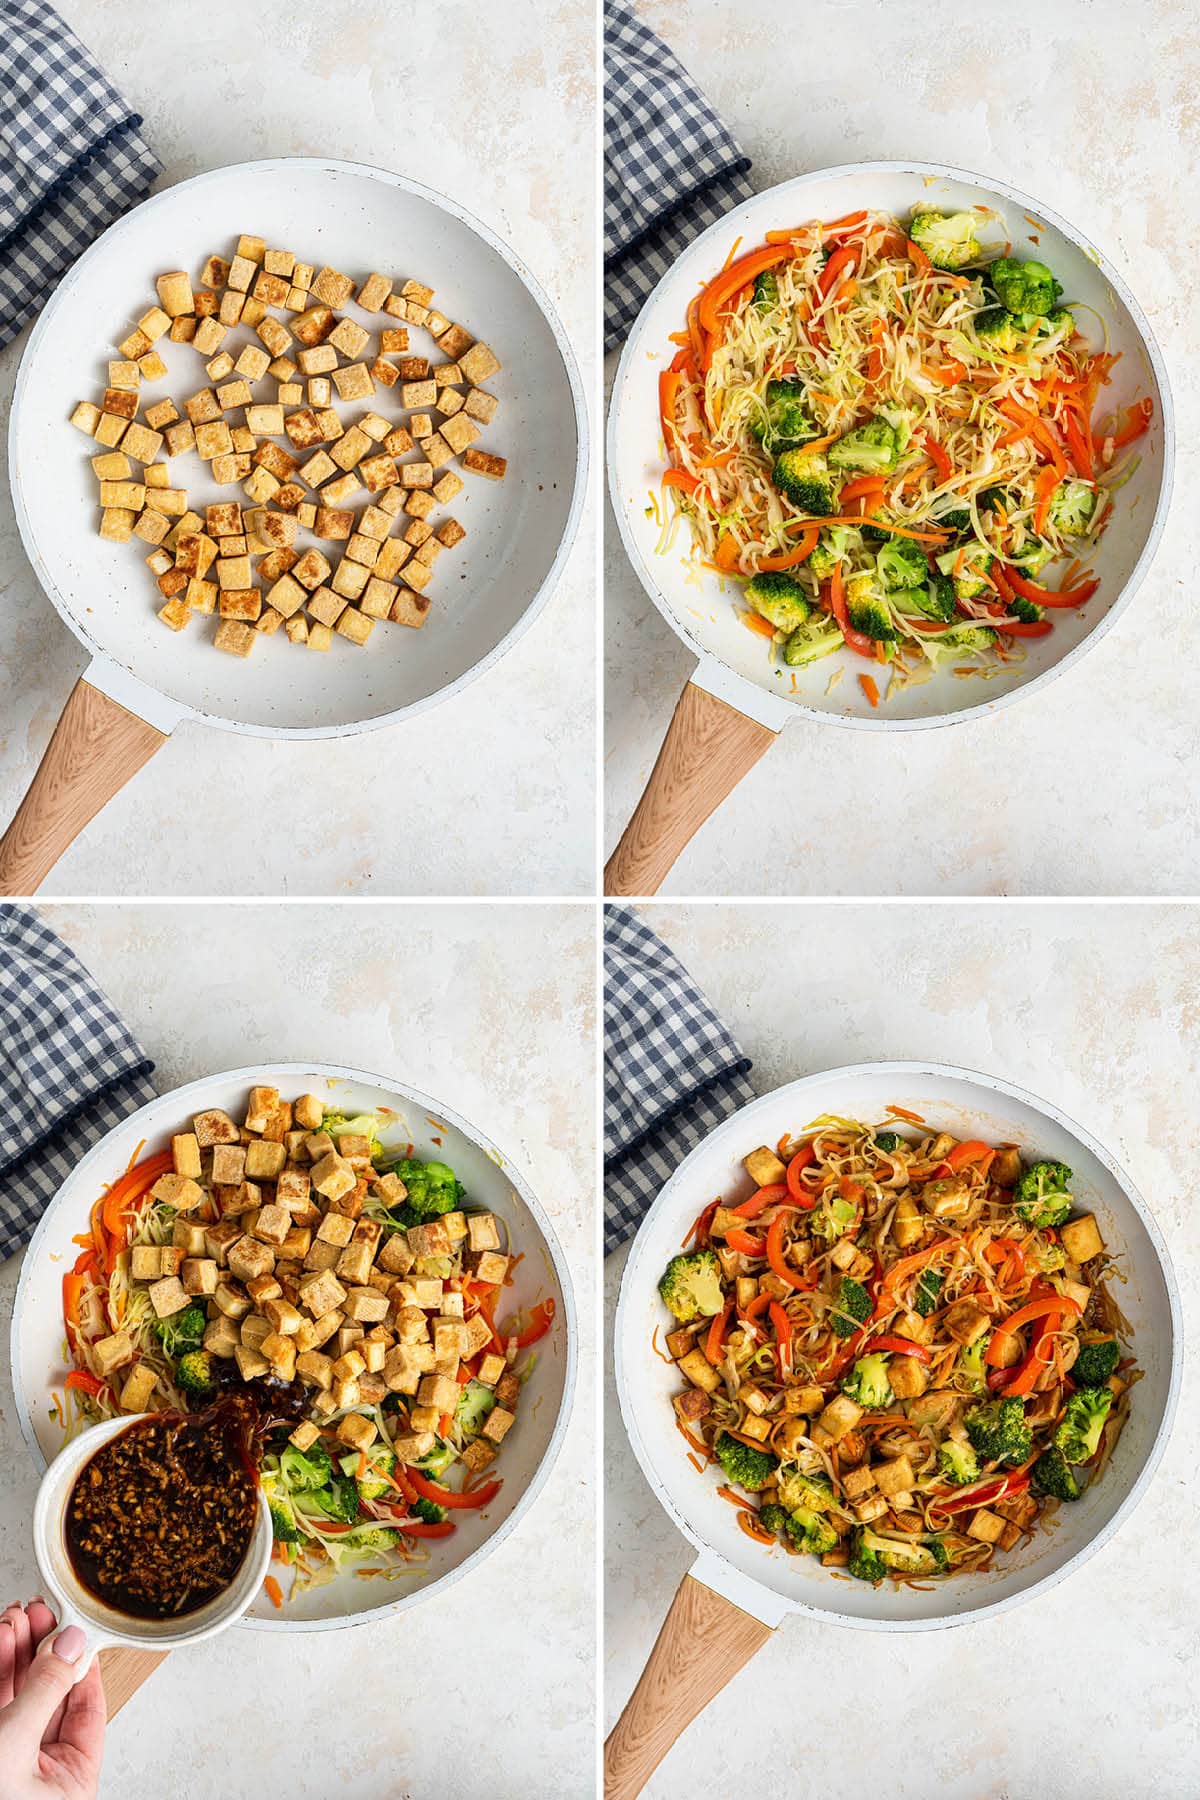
900	1350
890	434
347	1287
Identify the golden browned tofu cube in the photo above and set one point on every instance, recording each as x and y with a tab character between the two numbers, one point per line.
907	1376
140	1384
1081	1238
699	1371
214	1127
965	1322
179	1191
894	1477
764	1167
840	1416
145	1262
357	1431
167	1296
987	1526
333	1177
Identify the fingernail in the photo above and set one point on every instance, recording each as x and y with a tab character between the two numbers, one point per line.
69	1644
38	1600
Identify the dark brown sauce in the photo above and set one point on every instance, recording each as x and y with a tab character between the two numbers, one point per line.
160	1518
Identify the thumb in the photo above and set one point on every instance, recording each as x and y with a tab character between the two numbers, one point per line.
49	1680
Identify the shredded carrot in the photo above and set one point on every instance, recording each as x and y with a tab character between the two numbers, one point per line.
755	622
902	1112
274	1591
870	689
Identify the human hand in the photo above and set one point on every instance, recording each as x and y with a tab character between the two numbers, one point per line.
51	1732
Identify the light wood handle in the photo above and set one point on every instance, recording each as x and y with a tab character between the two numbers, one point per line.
704	1641
709	746
123	1671
97	746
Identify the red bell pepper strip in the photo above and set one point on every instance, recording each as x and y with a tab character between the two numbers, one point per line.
541	1317
444	1529
984	1495
783	1339
1080	445
725	285
972	1151
865	646
757	1307
940	458
745	1244
760	1199
902	1346
840	263
804	1197
679	478
1035	628
1137	421
430	1490
85	1381
1024	1315
1036	1360
716	1334
1029	590
778	1261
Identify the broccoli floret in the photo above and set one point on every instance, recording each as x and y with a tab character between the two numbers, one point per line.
1096	1362
474	1404
1051	1474
873	448
1060	319
428	1511
969	582
1032	557
802	476
998	1431
195	1375
835	545
1078	1436
929	1287
811	1531
935	599
971	1364
901	564
183	1331
868	1382
766	291
773	1517
751	1469
963	640
904	1556
1072	508
887	1141
797	1491
1042	1196
1050	1259
958	1462
864	1560
776	597
435	1462
373	1482
852	1307
809	643
1024	287
303	1471
691	1285
338	1500
433	1189
999	330
364	1540
867	609
1025	610
955	518
948	239
785	421
283	1520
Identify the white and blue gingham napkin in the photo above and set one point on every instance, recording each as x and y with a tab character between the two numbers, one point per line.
71	159
672	1071
69	1069
671	168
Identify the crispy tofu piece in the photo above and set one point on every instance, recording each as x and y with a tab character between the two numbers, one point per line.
498	1422
214	1126
366	1305
894	1477
112	1353
167	1296
251	1362
179	1191
987	1526
482	462
280	1352
199	1276
145	1262
1081	1238
228	1165
321	1292
764	1167
487	1266
139	1385
965	1322
353	382
265	1160
250	1259
231	1299
282	1316
395	1257
357	1431
840	1416
699	1371
477	364
909	1373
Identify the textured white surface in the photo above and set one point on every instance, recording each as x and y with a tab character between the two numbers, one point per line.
492	1010
491	793
1096	1008
1082	789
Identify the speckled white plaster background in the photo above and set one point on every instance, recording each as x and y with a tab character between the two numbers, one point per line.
1087	1693
487	1692
499	115
1089	787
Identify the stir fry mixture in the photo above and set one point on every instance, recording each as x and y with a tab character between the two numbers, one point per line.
900	1349
346	1287
886	431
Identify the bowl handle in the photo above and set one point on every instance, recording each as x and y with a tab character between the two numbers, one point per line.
705	1639
710	744
98	744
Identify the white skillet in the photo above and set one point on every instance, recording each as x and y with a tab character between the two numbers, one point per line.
738	700
736	1592
37	1347
143	679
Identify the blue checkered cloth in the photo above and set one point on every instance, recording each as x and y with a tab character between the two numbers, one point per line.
69	1069
71	160
672	1071
671	169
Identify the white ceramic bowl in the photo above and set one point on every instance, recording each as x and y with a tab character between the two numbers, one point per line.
733	662
770	1583
104	1625
38	1348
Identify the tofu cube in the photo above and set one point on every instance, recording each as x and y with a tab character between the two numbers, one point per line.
366	1305
249	1259
199	1276
483	1233
333	1177
179	1191
112	1353
140	1384
228	1165
1081	1238
273	1224
321	1293
264	1161
357	1431
280	1352
167	1296
498	1422
145	1262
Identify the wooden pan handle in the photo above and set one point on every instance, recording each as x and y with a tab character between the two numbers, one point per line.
123	1671
97	746
704	1641
709	746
